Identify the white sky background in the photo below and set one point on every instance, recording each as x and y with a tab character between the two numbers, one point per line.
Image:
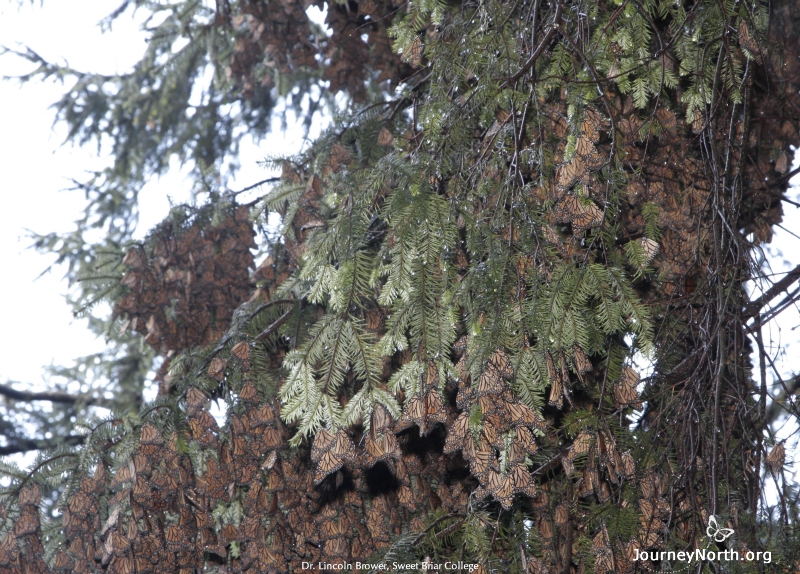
38	328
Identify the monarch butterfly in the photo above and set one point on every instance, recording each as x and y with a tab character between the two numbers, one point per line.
698	121
551	367
501	488
481	462
465	395
28	521
525	441
489	435
239	445
586	485
584	146
63	562
522	480
499	420
78	548
406	497
434	407
582	363
413	412
227	533
776	458
521	414
332	529
241	350
480	493
150	435
570	172
30	495
249	393
546	531
263	416
432	378
583	442
468	450
343	447
650	248
625	392
337	547
271	438
653	485
381	420
216	370
382	448
605	559
329	463
413	53
195	398
206	421
80	505
122	475
384	136
412	463
591	124
747	42
323	441
571	209
251	528
628	466
488	404
501	364
556	393
561	515
490	382
119	544
141	490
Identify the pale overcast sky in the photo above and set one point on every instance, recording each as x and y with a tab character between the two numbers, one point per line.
38	328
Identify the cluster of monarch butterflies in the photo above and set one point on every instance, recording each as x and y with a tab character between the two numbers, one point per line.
558	373
580	212
159	505
506	424
601	452
305	216
182	291
27	531
674	181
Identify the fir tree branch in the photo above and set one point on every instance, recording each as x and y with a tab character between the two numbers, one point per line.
551	32
275	326
52	396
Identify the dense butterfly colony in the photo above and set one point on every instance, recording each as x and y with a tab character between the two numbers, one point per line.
183	291
249	502
273	40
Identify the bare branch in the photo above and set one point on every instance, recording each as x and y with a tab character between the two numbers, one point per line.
755	306
52	396
27	444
